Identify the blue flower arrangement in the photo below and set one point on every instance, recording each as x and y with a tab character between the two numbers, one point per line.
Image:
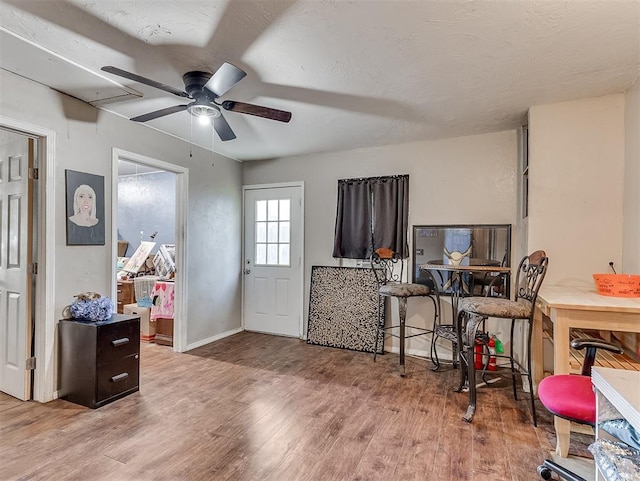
92	306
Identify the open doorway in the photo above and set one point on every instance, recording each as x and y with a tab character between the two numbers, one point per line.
149	199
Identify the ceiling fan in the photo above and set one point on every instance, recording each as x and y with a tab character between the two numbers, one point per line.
205	89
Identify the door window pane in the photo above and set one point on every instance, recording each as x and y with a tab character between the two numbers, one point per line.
272	211
261	254
261	210
272	254
272	232
284	254
284	232
261	232
285	209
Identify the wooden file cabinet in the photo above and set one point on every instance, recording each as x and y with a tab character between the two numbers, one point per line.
126	295
99	361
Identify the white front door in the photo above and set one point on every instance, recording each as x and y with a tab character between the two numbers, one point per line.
16	156
273	235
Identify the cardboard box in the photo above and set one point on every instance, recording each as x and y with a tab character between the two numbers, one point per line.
147	328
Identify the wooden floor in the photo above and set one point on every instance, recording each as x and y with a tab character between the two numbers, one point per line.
258	407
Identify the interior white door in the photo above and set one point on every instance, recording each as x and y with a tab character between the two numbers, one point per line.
273	234
16	157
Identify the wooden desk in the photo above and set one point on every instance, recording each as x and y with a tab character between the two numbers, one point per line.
571	306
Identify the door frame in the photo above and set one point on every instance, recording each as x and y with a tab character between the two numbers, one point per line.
45	322
299	184
182	196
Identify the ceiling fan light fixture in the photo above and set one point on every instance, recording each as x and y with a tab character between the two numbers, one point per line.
207	111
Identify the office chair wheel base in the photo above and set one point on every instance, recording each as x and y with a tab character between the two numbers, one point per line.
544	472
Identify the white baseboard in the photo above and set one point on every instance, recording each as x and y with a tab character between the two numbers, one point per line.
217	337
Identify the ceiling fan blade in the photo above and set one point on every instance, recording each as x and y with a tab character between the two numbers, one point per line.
257	110
160	113
225	77
223	128
144	80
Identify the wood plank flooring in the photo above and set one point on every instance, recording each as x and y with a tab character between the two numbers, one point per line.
258	407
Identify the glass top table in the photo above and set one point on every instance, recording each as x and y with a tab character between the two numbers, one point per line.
457	286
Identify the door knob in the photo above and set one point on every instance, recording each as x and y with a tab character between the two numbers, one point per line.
247	271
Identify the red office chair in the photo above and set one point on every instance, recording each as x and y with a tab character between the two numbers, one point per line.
572	397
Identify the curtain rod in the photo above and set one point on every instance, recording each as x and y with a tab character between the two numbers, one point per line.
375	179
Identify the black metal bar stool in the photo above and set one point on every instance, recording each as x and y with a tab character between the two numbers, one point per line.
388	268
475	310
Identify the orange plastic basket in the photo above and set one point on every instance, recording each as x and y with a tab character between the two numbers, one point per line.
617	285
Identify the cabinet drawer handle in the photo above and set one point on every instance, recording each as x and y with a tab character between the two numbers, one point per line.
120	342
120	377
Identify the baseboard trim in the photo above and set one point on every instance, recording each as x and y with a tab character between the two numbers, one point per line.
211	339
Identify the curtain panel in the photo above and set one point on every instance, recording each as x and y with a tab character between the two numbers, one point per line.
372	212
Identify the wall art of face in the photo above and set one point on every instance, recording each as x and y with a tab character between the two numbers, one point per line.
84	206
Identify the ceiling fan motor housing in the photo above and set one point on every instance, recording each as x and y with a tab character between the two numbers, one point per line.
195	81
203	106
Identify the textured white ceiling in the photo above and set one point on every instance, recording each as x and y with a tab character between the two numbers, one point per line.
354	73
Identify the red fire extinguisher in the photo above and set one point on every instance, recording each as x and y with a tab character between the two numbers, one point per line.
492	354
477	351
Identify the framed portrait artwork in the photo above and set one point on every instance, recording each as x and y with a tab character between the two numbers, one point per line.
85	208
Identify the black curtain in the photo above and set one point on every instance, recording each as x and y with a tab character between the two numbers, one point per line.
352	238
371	213
391	214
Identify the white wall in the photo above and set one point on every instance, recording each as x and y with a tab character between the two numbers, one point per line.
84	141
576	179
631	235
467	180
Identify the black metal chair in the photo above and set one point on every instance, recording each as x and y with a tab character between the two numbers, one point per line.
491	284
388	268
475	310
